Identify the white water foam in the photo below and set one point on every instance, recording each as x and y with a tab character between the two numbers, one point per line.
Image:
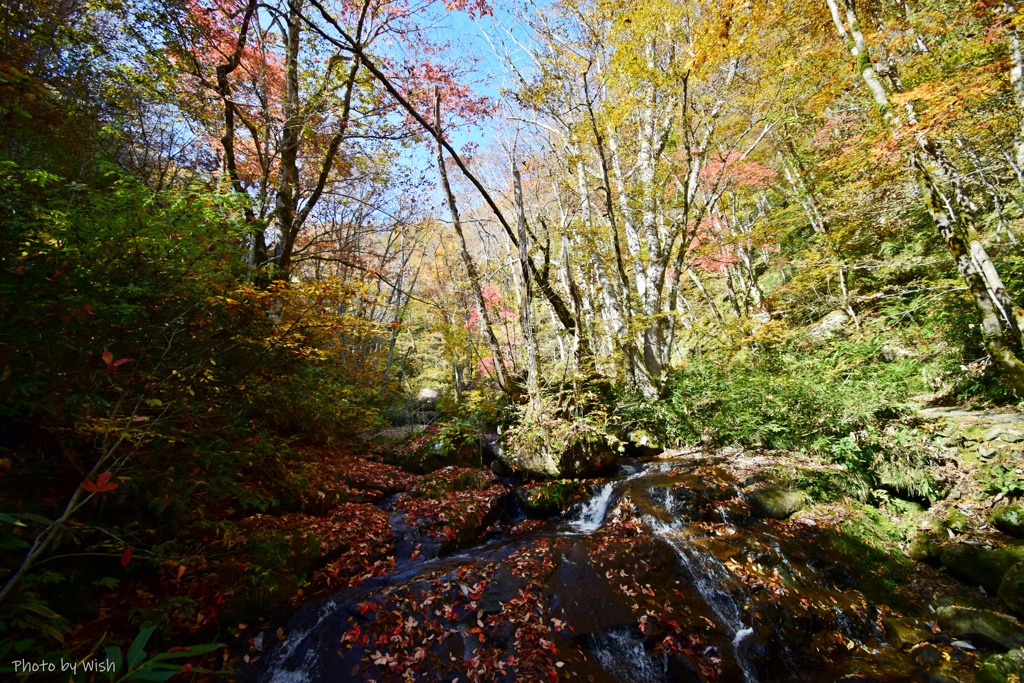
591	517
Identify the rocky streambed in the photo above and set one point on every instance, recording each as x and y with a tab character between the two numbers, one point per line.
675	569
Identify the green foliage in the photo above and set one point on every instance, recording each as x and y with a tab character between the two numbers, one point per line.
1003	474
785	397
126	317
136	665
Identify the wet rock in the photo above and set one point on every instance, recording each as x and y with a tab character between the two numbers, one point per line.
591	612
1011	590
776	502
996	629
934	677
904	633
1001	668
981	566
503	586
1009	519
929	655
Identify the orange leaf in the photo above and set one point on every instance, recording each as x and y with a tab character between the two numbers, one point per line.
108	357
127	557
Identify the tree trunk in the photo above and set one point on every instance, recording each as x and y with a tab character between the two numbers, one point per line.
497	355
1001	318
525	312
286	206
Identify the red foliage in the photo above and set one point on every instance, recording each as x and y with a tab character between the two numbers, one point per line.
101	485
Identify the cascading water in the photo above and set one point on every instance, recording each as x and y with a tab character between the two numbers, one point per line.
742	599
710	577
592	514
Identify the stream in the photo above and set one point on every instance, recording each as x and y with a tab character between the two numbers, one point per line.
662	575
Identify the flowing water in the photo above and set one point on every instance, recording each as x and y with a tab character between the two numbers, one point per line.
662	575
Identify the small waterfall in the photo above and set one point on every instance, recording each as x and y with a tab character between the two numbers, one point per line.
591	517
710	578
621	652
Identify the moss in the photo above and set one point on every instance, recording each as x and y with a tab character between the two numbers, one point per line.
549	498
869	542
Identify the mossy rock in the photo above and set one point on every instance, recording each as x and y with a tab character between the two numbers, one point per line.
1009	519
991	628
981	566
641	443
776	502
586	458
905	633
548	498
1001	668
1011	590
957	520
925	542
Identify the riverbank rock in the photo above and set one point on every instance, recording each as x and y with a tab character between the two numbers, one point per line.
981	566
576	461
548	498
993	628
1009	519
905	633
776	502
446	511
1011	590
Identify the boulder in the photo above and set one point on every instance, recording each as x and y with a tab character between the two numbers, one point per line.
832	325
904	633
776	502
503	586
1009	519
981	566
993	628
547	498
893	353
1011	590
575	461
957	520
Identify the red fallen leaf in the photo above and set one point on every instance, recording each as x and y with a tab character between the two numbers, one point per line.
121	361
127	557
108	357
101	484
